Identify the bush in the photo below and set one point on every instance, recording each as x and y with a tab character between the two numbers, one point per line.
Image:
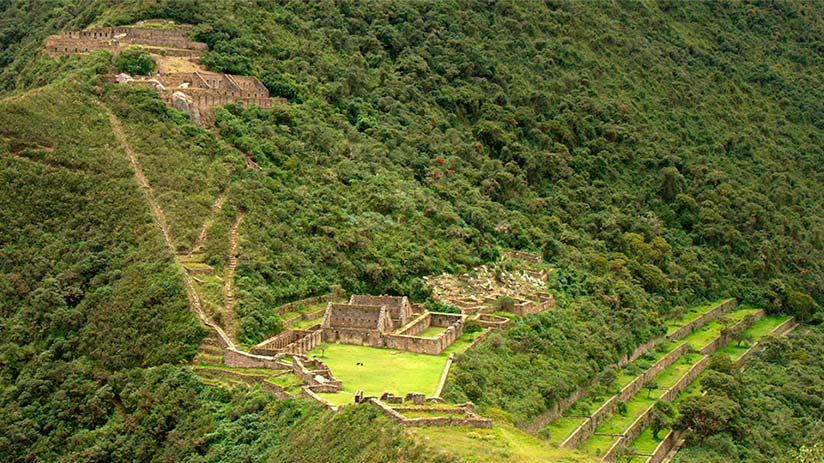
135	61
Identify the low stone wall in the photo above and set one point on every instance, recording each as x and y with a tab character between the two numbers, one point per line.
307	393
444	375
239	359
479	339
290	341
529	307
715	312
638	383
586	429
664	447
722	340
432	346
320	378
492	321
642	422
417	326
467	420
777	331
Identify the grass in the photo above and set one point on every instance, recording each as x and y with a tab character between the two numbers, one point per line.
432	332
304	324
670	375
561	428
706	334
597	445
690	315
503	443
647	444
757	331
383	370
462	343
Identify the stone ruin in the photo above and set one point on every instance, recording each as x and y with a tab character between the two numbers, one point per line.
194	91
478	291
169	41
389	322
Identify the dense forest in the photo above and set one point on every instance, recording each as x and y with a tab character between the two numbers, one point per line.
657	154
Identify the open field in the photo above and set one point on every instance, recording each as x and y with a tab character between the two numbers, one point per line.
383	370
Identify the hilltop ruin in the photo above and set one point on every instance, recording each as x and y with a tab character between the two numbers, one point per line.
179	79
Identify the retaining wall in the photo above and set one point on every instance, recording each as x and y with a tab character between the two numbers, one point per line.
239	359
586	429
777	331
715	312
444	375
290	341
722	340
468	420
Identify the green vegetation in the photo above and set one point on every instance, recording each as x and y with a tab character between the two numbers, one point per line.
658	155
382	370
689	315
783	380
502	443
135	61
707	333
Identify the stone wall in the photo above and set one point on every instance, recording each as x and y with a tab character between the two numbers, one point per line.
492	321
417	326
358	337
290	341
469	419
777	331
664	447
642	422
239	359
713	313
722	340
444	375
586	429
432	346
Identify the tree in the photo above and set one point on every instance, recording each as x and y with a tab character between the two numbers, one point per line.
801	305
650	386
135	61
704	416
661	417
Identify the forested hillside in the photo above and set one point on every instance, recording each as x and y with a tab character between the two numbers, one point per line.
657	154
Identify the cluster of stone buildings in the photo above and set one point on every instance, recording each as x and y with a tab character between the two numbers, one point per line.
194	91
158	37
376	321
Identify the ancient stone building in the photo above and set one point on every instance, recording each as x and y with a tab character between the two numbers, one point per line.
400	310
195	91
387	321
171	41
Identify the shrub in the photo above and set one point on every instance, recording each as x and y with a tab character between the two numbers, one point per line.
135	61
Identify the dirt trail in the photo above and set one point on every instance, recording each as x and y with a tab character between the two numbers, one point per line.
201	237
228	280
157	213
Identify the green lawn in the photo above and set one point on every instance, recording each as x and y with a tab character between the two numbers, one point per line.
432	332
670	375
503	443
304	324
461	344
712	330
597	445
691	314
383	370
645	443
759	330
561	428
